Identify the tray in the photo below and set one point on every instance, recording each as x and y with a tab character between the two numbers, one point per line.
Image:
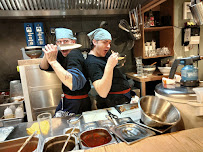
4	132
126	107
129	110
131	133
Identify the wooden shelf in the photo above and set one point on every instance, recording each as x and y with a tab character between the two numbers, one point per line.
160	56
163	36
151	29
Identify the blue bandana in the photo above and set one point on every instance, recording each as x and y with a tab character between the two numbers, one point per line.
64	33
99	34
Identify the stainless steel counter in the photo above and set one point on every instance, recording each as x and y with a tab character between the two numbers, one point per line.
58	124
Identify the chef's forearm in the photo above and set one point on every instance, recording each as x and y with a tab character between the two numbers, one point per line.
103	85
44	63
63	75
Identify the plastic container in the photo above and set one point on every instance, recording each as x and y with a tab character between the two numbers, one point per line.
199	92
19	112
13	108
8	113
15	88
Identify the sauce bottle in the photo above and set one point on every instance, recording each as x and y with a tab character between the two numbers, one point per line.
19	112
151	18
8	113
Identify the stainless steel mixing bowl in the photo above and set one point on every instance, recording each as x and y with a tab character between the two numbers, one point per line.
157	112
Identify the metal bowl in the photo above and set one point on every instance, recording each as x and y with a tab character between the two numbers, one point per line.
157	112
55	144
33	51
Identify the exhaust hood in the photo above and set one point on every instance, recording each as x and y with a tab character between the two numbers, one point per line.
51	8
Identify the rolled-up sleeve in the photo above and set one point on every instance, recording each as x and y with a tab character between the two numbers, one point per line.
78	79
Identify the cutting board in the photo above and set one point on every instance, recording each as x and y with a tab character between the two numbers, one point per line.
100	114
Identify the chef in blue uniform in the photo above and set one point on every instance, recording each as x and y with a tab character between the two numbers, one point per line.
101	63
70	69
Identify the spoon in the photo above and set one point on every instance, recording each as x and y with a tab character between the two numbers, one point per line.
74	119
153	63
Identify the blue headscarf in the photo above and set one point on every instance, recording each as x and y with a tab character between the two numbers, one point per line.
99	34
64	33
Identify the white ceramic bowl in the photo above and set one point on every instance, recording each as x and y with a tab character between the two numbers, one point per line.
165	70
149	71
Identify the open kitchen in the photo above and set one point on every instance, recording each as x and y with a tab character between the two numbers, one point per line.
101	75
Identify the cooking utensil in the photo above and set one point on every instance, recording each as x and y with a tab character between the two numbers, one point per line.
157	112
74	119
197	12
113	117
68	46
123	23
64	146
140	13
25	143
153	63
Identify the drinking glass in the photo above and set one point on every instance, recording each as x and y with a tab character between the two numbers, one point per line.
139	66
45	125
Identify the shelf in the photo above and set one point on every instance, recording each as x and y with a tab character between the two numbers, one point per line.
151	29
160	56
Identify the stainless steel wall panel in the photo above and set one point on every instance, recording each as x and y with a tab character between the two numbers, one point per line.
41	89
45	98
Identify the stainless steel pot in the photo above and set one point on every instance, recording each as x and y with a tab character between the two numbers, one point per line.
157	112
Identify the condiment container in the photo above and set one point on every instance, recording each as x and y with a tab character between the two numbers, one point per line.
8	113
19	112
13	108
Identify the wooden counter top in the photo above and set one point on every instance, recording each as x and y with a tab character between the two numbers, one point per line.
183	141
143	80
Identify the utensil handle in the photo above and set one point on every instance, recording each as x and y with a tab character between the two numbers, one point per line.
64	146
153	63
27	140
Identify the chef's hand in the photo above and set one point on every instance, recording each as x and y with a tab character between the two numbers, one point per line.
50	52
112	60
